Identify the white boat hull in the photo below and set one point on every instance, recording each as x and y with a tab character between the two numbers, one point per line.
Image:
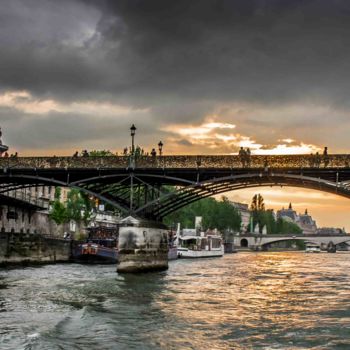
188	253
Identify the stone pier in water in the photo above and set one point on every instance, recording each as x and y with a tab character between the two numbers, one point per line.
143	246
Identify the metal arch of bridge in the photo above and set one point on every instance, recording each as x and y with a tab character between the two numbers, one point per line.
197	191
16	182
141	189
116	194
164	203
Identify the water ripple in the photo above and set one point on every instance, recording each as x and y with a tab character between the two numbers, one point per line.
241	301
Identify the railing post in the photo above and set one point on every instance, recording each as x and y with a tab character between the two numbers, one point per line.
131	192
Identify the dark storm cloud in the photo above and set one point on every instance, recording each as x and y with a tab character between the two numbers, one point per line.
181	59
142	51
55	131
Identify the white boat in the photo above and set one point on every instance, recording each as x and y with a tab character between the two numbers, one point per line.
312	248
200	246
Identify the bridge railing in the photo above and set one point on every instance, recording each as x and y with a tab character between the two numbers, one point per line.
179	161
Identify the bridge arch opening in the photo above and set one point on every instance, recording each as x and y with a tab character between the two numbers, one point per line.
244	243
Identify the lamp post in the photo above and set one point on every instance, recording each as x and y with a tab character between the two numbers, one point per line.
160	147
132	133
132	166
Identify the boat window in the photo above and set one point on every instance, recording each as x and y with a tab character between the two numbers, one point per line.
188	243
204	242
216	242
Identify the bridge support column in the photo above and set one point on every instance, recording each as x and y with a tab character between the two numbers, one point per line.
142	247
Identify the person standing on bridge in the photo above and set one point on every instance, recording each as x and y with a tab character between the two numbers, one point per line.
317	160
242	156
325	157
248	157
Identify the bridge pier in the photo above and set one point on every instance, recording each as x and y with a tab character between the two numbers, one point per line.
142	247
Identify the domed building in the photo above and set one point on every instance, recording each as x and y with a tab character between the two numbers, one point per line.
304	221
288	214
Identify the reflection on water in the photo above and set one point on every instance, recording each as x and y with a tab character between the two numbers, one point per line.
241	301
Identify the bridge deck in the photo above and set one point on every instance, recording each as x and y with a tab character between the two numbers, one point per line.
181	161
113	178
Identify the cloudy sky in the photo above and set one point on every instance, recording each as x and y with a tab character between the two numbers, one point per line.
203	76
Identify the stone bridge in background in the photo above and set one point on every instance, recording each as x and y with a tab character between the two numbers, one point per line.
154	186
260	241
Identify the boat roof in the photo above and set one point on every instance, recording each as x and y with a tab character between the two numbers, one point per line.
201	237
312	243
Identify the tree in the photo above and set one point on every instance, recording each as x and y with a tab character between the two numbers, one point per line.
257	203
257	208
216	214
77	207
58	212
286	227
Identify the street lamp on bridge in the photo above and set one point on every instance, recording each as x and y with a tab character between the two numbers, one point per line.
132	133
160	147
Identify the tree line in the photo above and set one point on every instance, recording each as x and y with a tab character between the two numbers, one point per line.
265	218
216	214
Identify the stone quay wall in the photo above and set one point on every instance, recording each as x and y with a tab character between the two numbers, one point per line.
26	248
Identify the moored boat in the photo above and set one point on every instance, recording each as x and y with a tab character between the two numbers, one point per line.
96	251
101	246
200	246
312	248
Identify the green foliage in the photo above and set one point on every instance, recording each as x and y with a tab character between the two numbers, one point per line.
77	207
257	203
216	214
264	217
284	227
257	208
58	192
58	212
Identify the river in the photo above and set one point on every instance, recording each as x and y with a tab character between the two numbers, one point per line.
279	300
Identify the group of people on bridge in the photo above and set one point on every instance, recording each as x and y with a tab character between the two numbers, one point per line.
138	152
244	157
317	159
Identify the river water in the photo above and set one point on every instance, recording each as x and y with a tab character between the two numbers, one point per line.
282	300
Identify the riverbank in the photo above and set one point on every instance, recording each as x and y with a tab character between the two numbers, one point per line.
32	249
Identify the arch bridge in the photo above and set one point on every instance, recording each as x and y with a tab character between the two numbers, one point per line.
256	241
153	187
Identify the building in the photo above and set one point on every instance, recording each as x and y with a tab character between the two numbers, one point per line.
288	214
244	211
304	221
329	231
307	224
23	216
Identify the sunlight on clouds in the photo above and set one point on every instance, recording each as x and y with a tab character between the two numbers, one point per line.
198	131
208	135
226	138
25	102
287	140
287	149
